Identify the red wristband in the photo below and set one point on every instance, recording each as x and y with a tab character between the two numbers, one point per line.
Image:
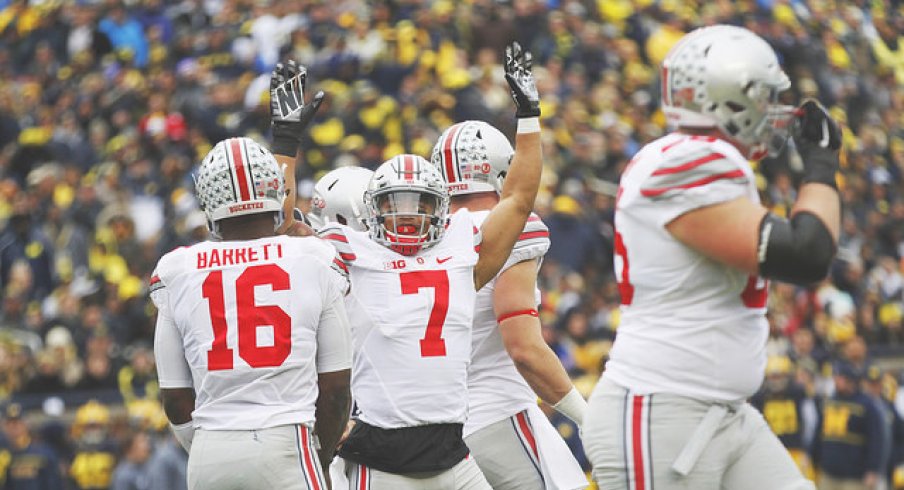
531	312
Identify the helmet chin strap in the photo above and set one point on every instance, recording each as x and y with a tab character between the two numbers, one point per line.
214	228
278	219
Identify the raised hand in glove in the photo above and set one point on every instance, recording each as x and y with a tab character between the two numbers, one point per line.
289	115
818	139
521	80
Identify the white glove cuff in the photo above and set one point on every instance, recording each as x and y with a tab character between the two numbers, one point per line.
572	406
528	125
184	434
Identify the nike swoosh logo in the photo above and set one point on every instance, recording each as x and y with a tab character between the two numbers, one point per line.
440	261
824	142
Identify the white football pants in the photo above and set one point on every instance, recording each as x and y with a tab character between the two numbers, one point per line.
281	457
463	476
524	452
662	441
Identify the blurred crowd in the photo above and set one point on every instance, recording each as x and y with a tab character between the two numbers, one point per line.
106	106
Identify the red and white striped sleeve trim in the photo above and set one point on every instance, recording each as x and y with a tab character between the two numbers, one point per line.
533	241
691	170
336	237
155	283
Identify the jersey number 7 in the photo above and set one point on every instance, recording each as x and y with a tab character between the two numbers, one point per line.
249	316
433	344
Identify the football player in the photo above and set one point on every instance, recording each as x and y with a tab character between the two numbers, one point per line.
252	339
414	278
512	440
339	198
693	250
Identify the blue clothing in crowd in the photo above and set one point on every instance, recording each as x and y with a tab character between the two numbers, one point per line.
33	467
851	437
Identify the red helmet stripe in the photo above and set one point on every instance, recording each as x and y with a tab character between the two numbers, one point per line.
450	155
408	167
238	162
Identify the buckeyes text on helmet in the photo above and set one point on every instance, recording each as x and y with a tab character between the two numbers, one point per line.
472	156
728	78
339	197
239	177
408	204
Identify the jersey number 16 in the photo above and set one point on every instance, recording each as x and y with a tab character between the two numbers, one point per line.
249	317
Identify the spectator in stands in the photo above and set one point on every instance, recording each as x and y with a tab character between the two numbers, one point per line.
138	379
849	450
133	471
790	412
168	464
872	386
29	465
95	452
125	34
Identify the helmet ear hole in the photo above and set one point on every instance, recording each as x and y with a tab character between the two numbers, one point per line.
734	106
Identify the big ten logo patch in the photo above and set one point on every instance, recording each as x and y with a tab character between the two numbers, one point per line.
401	264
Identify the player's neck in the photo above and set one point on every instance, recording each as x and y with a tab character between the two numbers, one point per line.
479	201
715	133
249	227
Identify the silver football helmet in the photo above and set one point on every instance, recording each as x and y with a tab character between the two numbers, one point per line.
408	204
339	198
239	177
729	78
473	156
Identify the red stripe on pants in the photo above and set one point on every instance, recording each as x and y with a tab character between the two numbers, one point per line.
308	461
636	442
522	422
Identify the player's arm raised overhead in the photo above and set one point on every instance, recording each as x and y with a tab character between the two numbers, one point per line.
514	303
799	250
289	119
503	225
174	374
333	363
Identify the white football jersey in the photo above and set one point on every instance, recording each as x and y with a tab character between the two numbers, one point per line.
689	325
411	325
495	387
248	314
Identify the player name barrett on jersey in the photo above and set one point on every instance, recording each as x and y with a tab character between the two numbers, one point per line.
238	255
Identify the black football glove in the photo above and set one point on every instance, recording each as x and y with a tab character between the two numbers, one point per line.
521	80
289	115
818	139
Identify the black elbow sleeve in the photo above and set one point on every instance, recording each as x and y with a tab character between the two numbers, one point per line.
798	251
